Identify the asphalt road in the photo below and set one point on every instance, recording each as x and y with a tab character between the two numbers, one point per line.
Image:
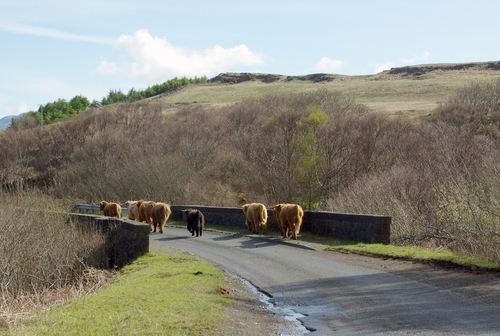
339	297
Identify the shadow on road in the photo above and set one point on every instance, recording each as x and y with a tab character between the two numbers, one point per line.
174	238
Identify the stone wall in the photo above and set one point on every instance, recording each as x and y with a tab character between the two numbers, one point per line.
362	228
125	240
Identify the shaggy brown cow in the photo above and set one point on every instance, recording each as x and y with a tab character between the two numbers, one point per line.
289	218
145	209
277	211
195	221
133	209
159	214
256	217
111	209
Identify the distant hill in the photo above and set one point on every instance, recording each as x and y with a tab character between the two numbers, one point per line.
5	121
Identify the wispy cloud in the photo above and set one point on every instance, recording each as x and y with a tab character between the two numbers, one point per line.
383	66
9	110
107	68
327	64
154	58
416	59
52	33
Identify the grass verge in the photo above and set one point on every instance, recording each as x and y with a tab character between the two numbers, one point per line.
159	294
441	257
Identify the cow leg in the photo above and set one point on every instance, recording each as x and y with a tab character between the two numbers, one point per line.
250	226
282	228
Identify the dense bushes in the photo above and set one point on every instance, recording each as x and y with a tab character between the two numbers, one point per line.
437	177
117	96
52	112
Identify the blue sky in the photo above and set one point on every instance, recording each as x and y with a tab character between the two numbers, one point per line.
51	49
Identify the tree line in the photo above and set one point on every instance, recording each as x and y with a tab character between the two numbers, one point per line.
63	110
437	176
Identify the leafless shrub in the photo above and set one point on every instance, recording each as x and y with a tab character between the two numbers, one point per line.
39	249
444	192
477	106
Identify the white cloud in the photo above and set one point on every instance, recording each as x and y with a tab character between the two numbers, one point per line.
12	111
107	68
52	33
155	59
22	108
383	66
416	59
327	64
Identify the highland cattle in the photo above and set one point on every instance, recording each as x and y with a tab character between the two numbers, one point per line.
133	209
289	217
145	210
111	209
256	217
159	216
195	221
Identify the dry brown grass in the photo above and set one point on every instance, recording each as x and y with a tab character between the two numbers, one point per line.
404	94
44	258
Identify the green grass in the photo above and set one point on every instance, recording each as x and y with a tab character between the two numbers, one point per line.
159	294
444	257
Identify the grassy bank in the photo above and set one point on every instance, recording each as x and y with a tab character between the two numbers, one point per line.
159	294
442	257
391	94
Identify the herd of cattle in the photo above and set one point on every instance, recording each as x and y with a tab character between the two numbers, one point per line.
156	214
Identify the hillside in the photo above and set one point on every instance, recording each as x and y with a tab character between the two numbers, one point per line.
412	90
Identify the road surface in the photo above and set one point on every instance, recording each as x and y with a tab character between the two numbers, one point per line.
339	296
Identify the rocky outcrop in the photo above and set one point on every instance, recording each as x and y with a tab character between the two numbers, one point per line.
412	70
235	78
423	69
